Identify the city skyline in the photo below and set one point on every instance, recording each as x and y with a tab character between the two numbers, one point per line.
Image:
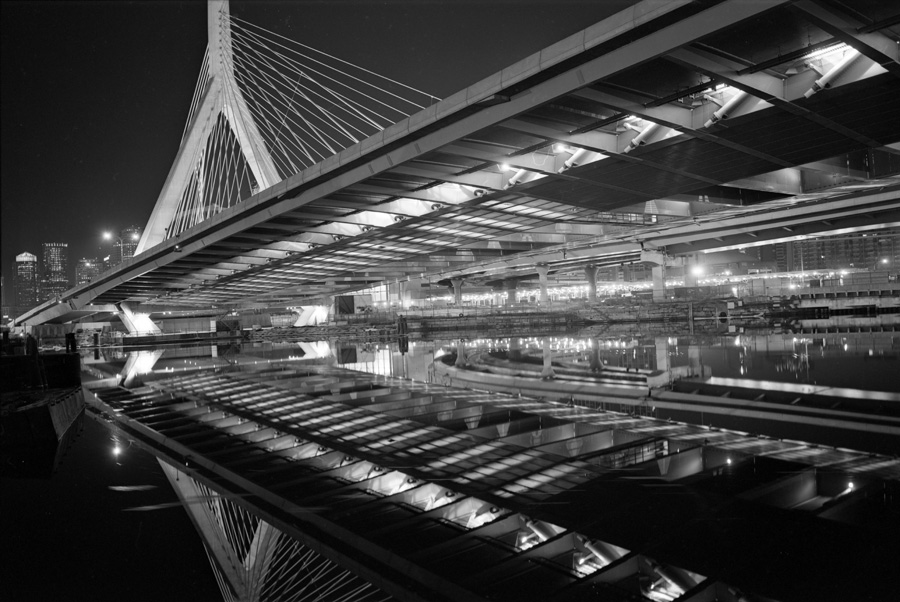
92	146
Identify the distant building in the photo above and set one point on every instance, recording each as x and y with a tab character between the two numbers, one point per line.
866	251
131	236
87	269
26	283
5	309
54	269
124	245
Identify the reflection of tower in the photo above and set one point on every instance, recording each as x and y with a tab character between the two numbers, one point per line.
254	560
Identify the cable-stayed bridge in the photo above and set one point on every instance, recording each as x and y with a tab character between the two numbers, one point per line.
668	129
676	128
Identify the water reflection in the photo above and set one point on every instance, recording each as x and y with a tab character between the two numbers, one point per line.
864	360
267	412
70	537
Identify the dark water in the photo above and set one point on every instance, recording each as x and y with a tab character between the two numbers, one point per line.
73	538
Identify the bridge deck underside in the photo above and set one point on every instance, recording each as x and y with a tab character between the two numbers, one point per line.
678	166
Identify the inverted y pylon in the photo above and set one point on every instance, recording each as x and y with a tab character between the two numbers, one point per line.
240	568
254	561
220	97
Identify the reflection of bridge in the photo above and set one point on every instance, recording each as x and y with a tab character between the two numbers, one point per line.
660	133
380	487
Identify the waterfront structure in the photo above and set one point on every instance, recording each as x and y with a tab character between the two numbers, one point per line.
87	269
54	270
27	283
860	251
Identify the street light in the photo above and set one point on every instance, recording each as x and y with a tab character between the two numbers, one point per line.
119	241
883	262
110	236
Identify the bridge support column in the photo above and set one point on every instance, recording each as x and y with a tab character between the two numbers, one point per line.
497	291
659	282
460	355
660	261
331	312
543	269
410	292
695	361
596	364
457	290
590	274
547	371
135	322
691	270
515	348
662	353
511	291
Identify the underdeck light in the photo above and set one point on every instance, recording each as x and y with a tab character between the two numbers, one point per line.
850	485
728	460
504	167
815	54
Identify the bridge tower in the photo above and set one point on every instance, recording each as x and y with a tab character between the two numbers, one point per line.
220	96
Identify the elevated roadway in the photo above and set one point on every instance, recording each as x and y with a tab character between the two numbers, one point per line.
669	129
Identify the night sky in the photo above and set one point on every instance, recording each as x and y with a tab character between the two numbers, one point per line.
96	94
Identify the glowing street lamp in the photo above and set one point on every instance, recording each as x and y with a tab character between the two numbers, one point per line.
110	236
120	242
881	264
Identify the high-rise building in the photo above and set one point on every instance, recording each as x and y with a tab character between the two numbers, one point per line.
86	270
54	269
26	282
4	307
131	236
124	245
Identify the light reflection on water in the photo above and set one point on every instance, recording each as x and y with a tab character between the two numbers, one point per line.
863	360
